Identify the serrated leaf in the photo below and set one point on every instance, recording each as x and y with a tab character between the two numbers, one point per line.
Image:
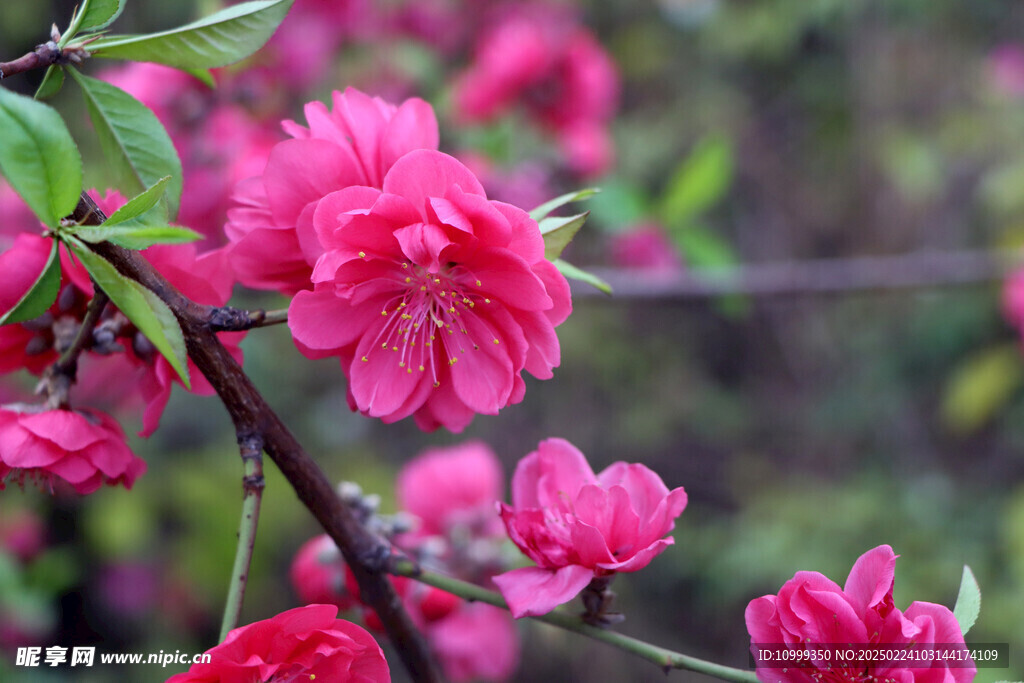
549	206
980	386
968	602
139	204
699	181
573	273
140	305
558	232
53	79
222	38
134	142
131	236
98	14
41	295
38	157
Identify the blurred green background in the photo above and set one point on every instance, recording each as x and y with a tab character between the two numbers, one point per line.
806	428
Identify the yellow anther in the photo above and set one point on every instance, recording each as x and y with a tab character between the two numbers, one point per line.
437	384
478	283
394	348
383	312
406	316
365	359
401	364
422	368
405	265
423	288
408	280
496	341
362	254
487	301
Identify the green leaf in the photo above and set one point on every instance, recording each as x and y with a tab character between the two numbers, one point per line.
140	305
132	236
704	248
573	273
203	75
134	142
620	205
559	231
968	602
224	37
98	14
980	386
41	295
140	204
549	206
699	181
52	82
38	157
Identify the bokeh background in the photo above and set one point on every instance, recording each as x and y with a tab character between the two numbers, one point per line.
807	427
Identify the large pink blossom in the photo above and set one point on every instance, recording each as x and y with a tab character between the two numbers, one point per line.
434	298
476	643
84	449
306	643
812	612
544	60
577	525
273	242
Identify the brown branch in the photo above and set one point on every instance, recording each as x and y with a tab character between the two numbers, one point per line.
43	56
364	552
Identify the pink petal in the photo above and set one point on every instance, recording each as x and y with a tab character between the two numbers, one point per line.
423	173
320	320
608	512
532	591
68	430
482	373
871	578
423	243
413	126
303	171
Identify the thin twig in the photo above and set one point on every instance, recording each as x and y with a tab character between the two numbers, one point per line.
229	319
58	378
251	447
364	552
666	659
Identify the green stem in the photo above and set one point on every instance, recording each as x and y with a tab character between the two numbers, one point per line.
252	457
666	659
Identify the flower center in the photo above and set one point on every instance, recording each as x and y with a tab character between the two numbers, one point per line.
431	320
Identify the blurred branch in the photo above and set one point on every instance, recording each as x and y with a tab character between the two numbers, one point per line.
364	552
823	276
666	659
251	447
43	56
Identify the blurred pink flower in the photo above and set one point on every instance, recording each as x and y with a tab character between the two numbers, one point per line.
31	344
22	533
453	487
435	298
273	244
645	247
527	184
476	643
304	643
82	448
15	216
1006	69
318	574
577	526
543	59
1013	299
810	611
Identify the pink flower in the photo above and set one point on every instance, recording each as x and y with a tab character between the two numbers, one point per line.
434	298
273	243
318	574
577	526
557	69
31	345
85	449
645	247
1006	69
304	643
1013	299
454	487
22	533
811	611
477	642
